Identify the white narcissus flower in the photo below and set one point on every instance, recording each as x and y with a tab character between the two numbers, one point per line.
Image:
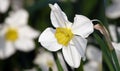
4	4
16	34
70	37
113	11
45	61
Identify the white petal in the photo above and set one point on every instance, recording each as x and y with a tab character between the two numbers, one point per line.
116	46
4	4
6	48
113	11
28	32
94	53
82	26
71	56
24	44
58	17
113	33
80	44
117	50
48	40
17	18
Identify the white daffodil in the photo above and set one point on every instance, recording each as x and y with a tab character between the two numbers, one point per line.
4	4
45	61
16	34
66	35
113	11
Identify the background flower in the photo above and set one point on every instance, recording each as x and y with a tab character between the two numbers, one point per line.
45	61
16	34
4	5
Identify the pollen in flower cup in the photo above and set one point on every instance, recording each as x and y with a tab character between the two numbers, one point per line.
70	37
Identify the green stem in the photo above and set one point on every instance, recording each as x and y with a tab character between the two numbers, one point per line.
57	62
50	69
115	60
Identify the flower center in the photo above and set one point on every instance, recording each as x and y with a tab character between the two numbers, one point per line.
11	34
50	63
63	35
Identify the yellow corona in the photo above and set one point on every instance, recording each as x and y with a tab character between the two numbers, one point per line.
11	34
63	35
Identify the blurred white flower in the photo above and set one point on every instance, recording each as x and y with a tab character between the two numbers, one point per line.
117	49
68	36
4	5
45	61
112	30
16	34
94	56
113	11
93	66
93	53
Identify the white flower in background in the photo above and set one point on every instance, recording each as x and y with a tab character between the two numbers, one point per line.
45	61
93	66
113	11
117	49
68	36
94	56
112	29
16	34
93	53
4	4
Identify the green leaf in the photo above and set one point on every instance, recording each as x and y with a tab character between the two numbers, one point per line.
57	62
106	53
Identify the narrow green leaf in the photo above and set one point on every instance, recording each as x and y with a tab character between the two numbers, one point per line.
106	54
57	62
